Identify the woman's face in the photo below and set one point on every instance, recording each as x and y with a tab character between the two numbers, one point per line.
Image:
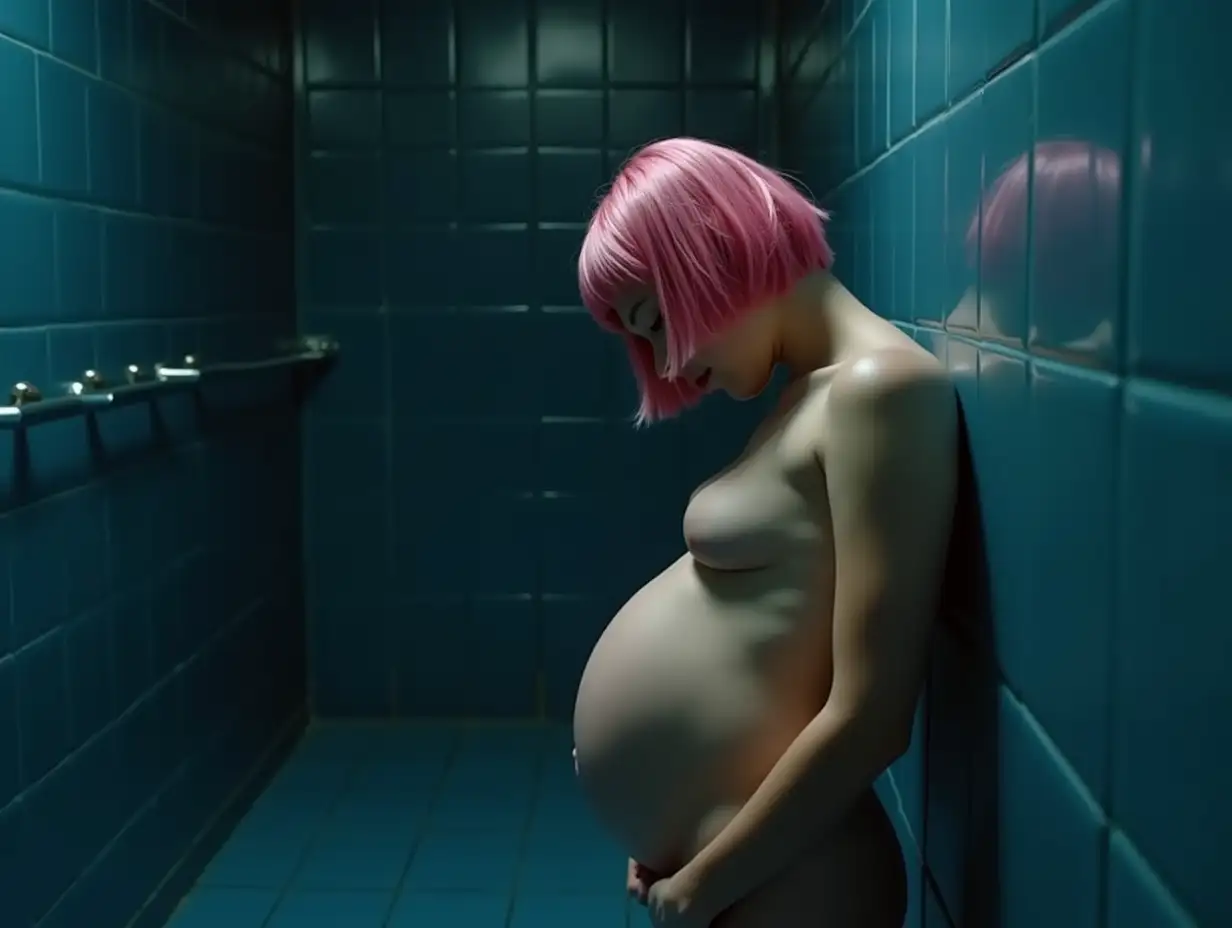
740	361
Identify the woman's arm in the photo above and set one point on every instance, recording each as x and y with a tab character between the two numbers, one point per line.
890	459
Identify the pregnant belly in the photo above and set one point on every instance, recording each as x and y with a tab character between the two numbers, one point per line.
672	720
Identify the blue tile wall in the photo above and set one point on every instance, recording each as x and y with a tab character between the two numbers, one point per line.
1033	189
477	503
150	628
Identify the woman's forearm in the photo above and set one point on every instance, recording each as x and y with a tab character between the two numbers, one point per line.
832	762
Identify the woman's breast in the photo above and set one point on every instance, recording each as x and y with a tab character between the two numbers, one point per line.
674	704
748	517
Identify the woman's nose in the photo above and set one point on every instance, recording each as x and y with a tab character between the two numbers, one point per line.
658	343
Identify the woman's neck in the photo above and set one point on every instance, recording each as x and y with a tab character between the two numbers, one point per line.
815	324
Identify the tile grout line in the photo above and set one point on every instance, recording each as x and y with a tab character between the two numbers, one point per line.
524	839
310	844
401	888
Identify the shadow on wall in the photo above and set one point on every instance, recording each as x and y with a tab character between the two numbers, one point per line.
963	713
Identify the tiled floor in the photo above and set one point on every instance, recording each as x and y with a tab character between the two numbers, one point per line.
417	826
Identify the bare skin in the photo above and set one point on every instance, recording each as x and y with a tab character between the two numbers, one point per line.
736	710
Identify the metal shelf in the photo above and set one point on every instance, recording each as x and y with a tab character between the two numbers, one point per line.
27	405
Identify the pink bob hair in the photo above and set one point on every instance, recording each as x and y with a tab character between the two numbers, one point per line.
713	233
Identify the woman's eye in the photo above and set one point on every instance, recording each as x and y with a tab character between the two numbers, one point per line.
657	325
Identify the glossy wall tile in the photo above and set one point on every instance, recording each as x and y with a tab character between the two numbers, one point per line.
477	501
1036	197
150	629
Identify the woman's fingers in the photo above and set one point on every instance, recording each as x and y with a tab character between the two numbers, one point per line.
639	881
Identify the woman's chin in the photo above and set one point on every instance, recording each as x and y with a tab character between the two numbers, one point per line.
746	392
743	396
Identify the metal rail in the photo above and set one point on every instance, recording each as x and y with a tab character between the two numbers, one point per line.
28	406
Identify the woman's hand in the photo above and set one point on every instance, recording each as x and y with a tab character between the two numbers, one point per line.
639	881
673	903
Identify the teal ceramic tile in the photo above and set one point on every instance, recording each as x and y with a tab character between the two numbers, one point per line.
569	43
339	45
465	910
931	50
78	245
1009	32
442	673
506	255
19	155
725	116
420	118
62	117
999	449
964	168
900	213
1055	13
42	706
1078	190
459	861
864	55
984	38
339	257
1136	896
1057	660
356	854
27	235
495	186
879	14
569	117
1001	258
901	75
343	119
416	188
340	650
419	264
559	911
637	116
934	913
954	697
1177	447
323	909
646	42
112	116
881	180
930	225
21	887
1051	833
494	118
344	189
569	184
10	772
724	42
493	43
1175	329
241	908
415	42
74	33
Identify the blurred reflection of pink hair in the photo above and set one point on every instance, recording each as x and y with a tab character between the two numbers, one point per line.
712	233
1077	194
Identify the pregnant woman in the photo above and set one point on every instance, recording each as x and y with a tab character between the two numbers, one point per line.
734	715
